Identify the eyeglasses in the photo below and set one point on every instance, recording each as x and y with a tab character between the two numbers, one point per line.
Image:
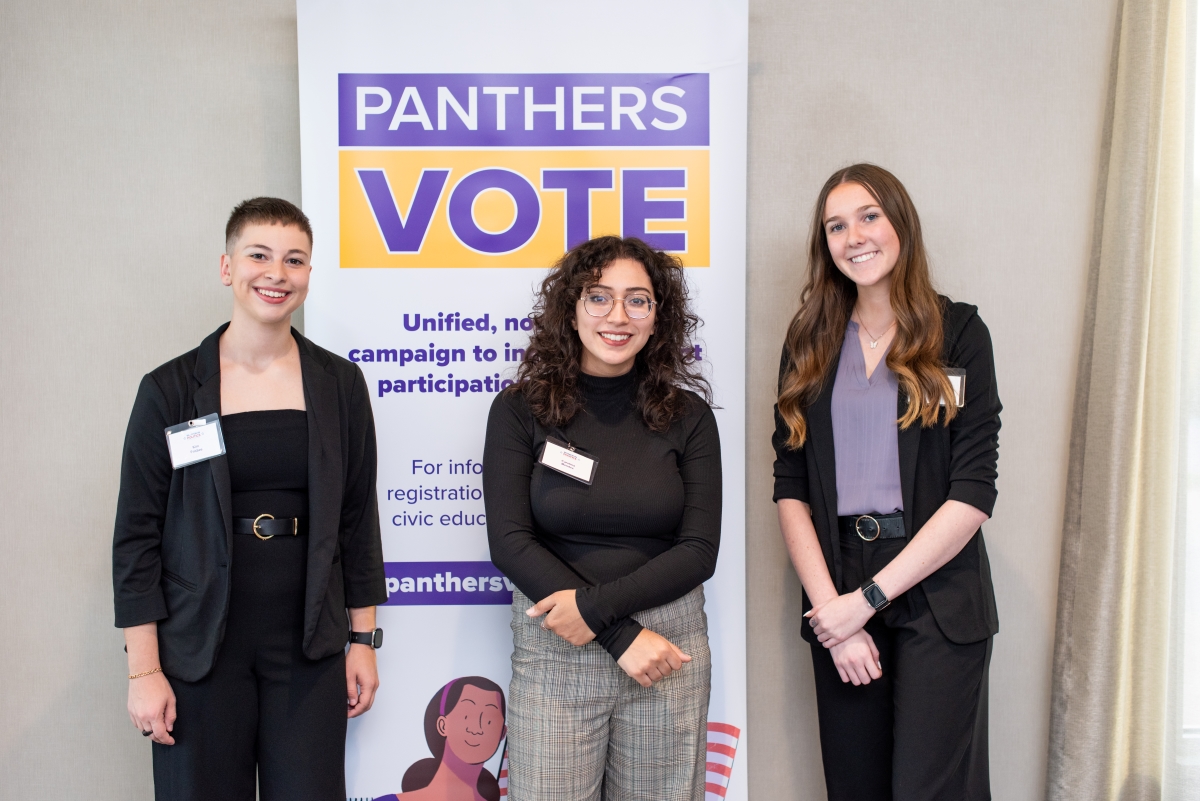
600	304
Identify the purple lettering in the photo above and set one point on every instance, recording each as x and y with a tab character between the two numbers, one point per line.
400	235
636	209
462	215
578	185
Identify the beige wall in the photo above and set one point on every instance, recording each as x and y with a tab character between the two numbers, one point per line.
128	130
991	114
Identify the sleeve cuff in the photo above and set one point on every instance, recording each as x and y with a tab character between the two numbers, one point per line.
585	601
980	494
617	638
148	607
366	594
794	488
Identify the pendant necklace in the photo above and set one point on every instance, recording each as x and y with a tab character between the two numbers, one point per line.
875	339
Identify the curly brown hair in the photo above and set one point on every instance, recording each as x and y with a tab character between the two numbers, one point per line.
548	376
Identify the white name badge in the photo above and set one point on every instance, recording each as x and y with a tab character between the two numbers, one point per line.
195	441
568	460
958	381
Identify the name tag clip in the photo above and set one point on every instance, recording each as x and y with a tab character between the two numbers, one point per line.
958	382
195	441
564	457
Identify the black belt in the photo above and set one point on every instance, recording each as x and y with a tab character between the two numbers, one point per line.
265	526
873	527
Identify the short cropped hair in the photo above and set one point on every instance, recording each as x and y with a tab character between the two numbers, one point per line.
264	211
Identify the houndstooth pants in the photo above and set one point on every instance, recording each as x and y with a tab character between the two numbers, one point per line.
580	729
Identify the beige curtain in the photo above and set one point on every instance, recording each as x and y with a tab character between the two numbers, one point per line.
1110	715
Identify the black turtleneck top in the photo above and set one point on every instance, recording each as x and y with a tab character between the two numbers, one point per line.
643	534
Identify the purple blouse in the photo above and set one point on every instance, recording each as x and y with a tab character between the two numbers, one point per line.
865	433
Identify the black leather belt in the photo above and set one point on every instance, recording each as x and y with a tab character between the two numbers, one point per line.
265	526
873	527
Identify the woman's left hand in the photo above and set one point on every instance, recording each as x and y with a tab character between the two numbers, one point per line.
835	620
562	617
362	679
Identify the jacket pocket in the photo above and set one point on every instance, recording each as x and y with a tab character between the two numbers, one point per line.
182	582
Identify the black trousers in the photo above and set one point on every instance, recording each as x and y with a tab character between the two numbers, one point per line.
920	732
265	711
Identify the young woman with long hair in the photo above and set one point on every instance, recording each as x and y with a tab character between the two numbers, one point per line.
602	483
886	439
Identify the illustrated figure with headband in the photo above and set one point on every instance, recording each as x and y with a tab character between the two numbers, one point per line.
464	726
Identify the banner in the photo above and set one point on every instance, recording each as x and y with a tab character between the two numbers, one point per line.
451	153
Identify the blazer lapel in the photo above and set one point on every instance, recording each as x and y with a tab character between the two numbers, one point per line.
820	439
908	444
207	400
325	477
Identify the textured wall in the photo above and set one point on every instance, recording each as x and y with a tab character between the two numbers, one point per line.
991	114
129	129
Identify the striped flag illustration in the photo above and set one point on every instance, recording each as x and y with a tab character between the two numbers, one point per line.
722	748
502	779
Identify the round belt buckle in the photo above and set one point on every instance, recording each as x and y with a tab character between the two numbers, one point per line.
858	530
264	537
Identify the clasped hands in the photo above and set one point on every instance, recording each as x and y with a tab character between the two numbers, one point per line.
649	658
838	624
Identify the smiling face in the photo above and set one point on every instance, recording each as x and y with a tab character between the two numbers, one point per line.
475	727
612	343
862	241
268	269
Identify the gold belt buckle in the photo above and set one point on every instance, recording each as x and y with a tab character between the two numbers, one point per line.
858	531
265	537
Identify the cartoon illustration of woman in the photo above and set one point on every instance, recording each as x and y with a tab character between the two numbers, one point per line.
464	726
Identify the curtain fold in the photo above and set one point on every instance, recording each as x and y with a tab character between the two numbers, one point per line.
1110	702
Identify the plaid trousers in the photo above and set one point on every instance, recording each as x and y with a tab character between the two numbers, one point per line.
580	729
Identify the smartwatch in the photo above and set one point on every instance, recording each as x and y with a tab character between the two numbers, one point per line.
875	596
371	638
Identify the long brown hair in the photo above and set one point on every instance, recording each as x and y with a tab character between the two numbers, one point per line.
548	376
816	333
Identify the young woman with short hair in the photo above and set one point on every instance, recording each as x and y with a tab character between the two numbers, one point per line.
238	579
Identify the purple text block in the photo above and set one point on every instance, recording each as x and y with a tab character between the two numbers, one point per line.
522	110
446	584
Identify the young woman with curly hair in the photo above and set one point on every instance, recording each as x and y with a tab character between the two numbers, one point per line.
611	665
886	437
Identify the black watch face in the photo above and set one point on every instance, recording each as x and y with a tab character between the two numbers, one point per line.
875	596
377	638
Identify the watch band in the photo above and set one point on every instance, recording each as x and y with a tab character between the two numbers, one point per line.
371	638
875	596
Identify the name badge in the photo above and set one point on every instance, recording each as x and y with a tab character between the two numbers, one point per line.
195	441
958	381
568	460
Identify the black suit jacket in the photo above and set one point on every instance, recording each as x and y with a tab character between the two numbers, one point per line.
173	540
939	463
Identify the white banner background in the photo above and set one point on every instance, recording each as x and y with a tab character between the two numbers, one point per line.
349	309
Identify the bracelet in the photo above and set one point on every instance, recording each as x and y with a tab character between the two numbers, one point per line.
147	673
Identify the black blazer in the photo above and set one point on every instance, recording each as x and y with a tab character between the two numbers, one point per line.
173	541
940	463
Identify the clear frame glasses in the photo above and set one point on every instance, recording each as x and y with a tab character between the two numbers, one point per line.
637	306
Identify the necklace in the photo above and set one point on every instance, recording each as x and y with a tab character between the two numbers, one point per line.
875	339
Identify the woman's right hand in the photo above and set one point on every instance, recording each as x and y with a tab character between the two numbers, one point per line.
857	659
152	707
651	657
